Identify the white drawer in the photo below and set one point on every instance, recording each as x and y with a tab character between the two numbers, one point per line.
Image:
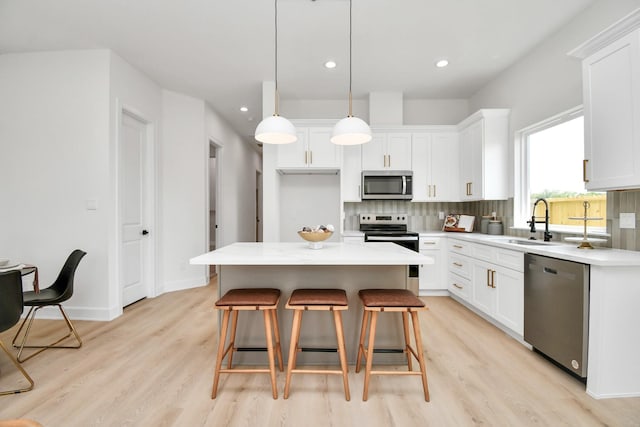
460	266
510	259
460	247
459	286
429	243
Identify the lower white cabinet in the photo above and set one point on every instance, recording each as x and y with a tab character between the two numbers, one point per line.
490	279
432	275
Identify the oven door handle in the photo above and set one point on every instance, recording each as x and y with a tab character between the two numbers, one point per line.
391	238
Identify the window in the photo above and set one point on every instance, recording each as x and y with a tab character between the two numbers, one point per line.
552	154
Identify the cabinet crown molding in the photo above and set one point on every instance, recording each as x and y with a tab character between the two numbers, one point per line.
615	31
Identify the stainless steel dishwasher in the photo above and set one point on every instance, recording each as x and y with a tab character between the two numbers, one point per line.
556	310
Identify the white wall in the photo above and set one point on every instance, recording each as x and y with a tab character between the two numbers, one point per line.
547	81
435	111
54	144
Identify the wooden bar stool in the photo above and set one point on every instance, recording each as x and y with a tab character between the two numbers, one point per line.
234	301
334	300
391	300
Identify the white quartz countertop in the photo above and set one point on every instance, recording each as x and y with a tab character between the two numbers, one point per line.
258	253
606	257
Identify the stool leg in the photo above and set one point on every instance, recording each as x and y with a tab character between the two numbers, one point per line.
293	349
276	330
232	337
369	357
363	330
221	348
272	363
407	339
342	352
423	368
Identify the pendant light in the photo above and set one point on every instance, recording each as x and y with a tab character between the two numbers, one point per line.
350	130
276	129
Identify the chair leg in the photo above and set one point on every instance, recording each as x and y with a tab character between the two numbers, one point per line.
363	330
21	369
221	349
369	357
342	352
232	338
407	339
293	349
270	351
276	331
423	368
31	315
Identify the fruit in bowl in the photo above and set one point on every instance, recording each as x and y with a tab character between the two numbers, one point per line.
315	235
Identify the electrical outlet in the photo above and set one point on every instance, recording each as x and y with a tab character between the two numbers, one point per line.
628	220
440	215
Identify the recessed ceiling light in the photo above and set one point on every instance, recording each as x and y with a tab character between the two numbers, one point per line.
442	63
244	109
330	64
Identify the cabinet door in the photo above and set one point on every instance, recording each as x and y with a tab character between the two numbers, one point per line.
471	161
484	296
431	274
444	166
399	151
421	166
374	154
351	173
611	79
459	286
294	155
322	153
509	289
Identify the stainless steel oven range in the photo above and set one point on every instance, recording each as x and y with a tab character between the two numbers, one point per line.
393	228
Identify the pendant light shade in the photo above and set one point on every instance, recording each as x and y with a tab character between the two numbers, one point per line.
350	130
276	129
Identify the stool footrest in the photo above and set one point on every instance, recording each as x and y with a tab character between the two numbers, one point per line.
316	371
318	349
251	349
388	350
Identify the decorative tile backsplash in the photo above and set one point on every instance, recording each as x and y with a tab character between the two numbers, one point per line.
423	216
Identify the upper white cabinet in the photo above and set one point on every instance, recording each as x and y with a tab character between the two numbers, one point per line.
387	150
312	150
435	166
611	91
351	173
483	155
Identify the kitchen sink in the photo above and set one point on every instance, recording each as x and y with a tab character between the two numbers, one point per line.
524	242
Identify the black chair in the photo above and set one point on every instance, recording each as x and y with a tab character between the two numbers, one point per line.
60	291
10	310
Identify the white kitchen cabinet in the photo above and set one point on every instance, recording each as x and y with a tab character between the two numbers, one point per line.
483	155
351	173
387	151
432	275
490	279
611	92
435	166
313	149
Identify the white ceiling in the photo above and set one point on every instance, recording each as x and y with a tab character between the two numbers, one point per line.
221	51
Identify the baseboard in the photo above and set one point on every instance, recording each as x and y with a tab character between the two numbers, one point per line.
77	313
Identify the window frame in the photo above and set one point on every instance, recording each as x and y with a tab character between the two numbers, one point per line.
521	202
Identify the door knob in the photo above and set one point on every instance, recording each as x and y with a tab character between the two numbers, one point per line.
145	232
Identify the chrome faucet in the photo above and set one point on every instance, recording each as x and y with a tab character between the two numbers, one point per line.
532	223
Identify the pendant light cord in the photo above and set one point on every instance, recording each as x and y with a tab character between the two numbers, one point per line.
350	43
276	112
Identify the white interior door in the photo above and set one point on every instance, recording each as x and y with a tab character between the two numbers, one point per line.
134	246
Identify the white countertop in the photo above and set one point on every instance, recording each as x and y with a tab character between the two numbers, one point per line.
605	257
258	253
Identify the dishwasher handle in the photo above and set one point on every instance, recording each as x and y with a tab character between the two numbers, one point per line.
549	270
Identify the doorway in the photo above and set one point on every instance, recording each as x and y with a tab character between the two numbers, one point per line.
214	166
135	202
258	206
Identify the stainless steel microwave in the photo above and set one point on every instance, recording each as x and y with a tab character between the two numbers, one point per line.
387	185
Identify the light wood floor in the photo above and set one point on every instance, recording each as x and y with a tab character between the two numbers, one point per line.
153	367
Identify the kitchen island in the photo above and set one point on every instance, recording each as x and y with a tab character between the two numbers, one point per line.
287	266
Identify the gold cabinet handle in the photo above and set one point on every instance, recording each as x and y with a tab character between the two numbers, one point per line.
493	279
429	190
458	286
584	170
457	246
389	156
428	243
434	190
306	157
310	157
457	264
489	278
